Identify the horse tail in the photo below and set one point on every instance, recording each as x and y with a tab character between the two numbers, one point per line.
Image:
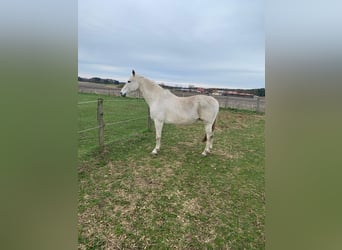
212	129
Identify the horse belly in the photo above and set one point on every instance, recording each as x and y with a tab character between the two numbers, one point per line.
181	117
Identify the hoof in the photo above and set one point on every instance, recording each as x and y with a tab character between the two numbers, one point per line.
154	152
206	152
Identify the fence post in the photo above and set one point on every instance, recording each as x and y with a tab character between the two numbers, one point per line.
258	104
100	121
149	120
226	102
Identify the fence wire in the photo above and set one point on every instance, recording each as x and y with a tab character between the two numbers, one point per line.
113	123
80	103
88	129
111	136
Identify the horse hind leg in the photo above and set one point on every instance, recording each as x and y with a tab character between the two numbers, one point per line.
211	141
209	137
212	135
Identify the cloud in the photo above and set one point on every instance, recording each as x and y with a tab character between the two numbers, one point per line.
214	42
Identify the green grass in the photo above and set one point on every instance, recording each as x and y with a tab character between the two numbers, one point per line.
114	109
129	199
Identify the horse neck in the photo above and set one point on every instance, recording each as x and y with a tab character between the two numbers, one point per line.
149	90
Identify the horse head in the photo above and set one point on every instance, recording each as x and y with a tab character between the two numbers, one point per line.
131	85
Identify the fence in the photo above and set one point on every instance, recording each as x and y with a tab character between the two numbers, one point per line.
96	88
255	104
101	127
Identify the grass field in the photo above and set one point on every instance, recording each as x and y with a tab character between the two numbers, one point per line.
129	199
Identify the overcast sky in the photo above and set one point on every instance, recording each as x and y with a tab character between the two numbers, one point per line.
218	43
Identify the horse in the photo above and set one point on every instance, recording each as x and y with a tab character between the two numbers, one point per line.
166	107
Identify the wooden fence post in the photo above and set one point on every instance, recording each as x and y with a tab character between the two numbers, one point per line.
100	121
258	104
149	120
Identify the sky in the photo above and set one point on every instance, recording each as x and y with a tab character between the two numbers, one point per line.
206	43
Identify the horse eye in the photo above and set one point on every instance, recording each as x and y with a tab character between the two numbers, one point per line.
129	81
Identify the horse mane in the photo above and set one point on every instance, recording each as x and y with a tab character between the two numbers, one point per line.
150	84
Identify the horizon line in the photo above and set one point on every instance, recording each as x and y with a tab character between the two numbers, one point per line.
183	84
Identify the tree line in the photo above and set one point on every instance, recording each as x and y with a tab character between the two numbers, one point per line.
99	80
257	92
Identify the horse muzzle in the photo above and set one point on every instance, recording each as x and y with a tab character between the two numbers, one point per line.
123	94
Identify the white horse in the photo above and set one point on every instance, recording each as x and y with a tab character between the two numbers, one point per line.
165	107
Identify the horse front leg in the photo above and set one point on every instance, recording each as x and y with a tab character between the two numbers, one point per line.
159	126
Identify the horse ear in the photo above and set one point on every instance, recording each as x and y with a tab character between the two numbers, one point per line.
133	72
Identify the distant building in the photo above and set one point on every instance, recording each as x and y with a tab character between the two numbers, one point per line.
185	89
237	94
216	92
200	90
